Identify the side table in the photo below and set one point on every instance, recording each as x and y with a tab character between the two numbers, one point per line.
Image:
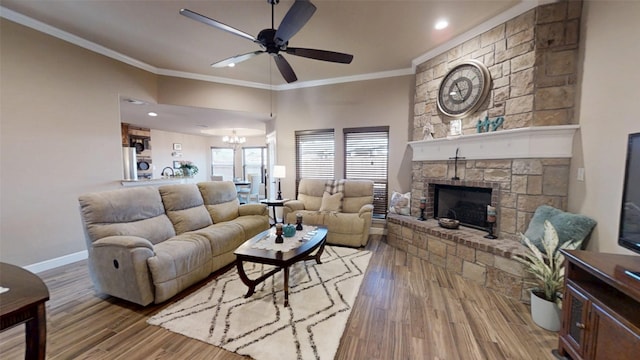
274	204
24	303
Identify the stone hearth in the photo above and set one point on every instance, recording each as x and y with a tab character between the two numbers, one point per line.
464	251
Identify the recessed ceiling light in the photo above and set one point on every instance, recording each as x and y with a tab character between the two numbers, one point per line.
151	113
232	65
441	24
135	102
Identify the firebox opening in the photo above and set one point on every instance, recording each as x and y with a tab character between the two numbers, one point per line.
466	204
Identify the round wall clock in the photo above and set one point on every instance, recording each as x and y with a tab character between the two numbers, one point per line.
464	89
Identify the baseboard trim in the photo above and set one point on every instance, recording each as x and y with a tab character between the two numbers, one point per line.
82	255
57	262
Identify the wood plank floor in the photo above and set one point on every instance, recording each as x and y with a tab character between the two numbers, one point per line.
406	309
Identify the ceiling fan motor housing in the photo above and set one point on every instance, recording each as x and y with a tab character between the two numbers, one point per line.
266	38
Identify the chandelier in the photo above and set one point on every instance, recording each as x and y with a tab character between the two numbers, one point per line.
234	139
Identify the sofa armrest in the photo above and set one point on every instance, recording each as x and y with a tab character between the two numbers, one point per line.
293	205
128	242
253	209
118	267
368	208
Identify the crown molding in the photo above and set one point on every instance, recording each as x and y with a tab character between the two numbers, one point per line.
501	18
16	17
73	39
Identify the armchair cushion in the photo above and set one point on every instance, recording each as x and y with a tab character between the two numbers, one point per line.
331	202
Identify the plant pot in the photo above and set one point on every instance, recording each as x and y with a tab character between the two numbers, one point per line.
544	313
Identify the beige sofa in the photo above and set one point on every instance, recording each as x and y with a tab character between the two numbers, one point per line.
349	224
147	244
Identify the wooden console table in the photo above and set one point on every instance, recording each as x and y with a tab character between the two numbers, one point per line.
601	307
24	303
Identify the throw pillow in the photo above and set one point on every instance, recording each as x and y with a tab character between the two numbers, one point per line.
400	203
331	202
570	227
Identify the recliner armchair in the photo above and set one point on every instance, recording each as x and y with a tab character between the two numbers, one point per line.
346	209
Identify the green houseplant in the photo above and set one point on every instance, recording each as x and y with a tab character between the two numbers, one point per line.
547	269
188	168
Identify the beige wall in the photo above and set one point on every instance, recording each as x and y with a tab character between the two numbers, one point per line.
608	112
367	103
194	148
60	132
60	127
59	137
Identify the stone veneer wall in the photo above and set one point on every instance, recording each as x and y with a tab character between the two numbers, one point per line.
522	185
533	64
532	59
464	251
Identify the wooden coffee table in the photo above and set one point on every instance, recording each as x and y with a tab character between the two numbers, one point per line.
24	303
282	260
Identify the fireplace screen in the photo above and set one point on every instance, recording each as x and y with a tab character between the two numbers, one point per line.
466	204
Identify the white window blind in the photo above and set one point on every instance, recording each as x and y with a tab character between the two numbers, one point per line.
254	162
367	158
222	163
315	154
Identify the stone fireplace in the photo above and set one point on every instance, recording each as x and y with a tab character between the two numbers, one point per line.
524	168
464	201
532	58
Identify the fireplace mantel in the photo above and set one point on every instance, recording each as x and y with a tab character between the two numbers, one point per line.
522	143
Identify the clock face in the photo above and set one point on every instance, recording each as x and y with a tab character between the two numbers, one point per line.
464	89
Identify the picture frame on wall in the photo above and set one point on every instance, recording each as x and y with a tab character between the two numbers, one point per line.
176	164
177	146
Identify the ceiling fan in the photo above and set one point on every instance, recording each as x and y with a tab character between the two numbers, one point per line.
273	41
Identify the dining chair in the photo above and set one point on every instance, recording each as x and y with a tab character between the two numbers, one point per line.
246	194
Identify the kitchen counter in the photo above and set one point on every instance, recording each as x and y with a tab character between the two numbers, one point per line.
157	181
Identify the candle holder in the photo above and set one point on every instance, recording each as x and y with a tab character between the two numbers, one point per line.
298	222
491	221
279	239
490	235
423	206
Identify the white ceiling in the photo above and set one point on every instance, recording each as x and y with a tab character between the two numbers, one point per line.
383	36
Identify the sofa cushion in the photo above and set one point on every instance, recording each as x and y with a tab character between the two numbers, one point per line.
113	213
331	202
570	227
220	199
185	207
223	237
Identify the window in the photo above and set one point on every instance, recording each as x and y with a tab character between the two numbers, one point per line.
254	161
315	152
366	157
222	163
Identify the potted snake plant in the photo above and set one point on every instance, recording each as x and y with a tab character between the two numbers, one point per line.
547	268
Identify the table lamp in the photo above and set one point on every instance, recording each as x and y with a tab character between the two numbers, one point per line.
279	172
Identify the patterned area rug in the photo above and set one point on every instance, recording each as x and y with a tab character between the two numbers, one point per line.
320	301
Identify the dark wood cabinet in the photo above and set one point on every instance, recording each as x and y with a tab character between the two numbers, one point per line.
601	307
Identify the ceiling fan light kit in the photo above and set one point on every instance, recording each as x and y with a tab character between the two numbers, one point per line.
273	41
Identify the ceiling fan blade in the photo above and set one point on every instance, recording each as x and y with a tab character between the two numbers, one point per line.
285	69
298	15
236	59
323	55
216	24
